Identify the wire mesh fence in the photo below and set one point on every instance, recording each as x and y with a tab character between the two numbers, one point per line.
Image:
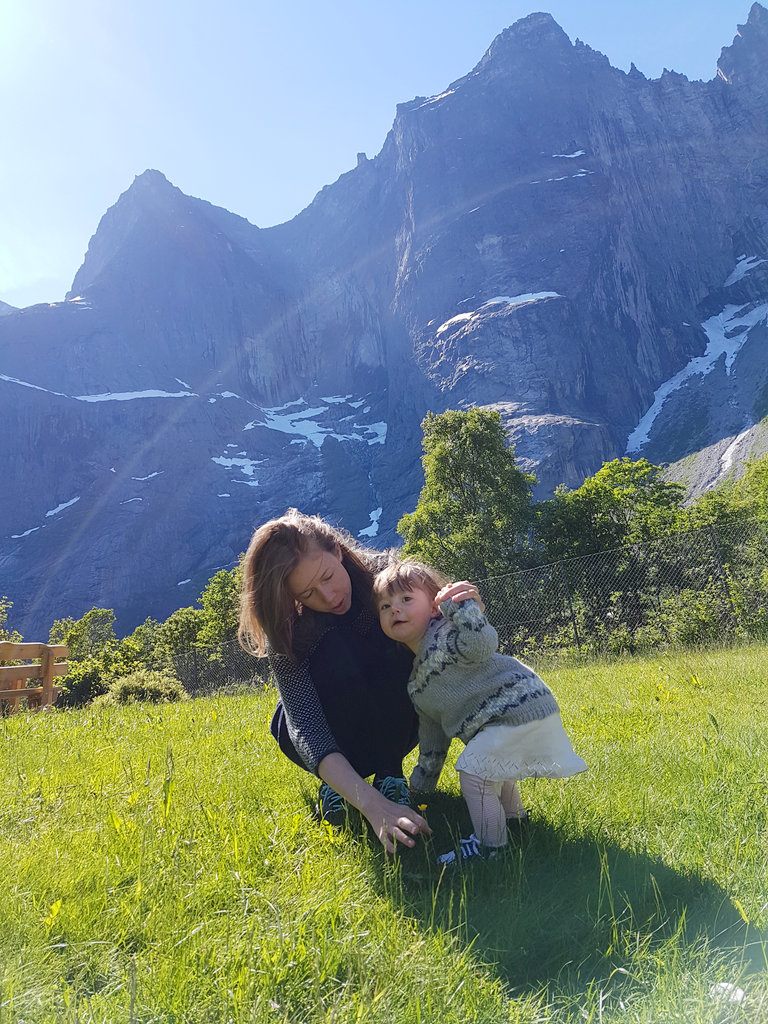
690	589
205	670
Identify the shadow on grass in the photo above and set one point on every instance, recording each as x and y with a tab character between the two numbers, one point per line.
558	907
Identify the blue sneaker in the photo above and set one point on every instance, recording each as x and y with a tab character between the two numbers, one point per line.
394	789
330	806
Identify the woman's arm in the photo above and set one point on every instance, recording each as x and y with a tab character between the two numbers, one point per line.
391	822
307	725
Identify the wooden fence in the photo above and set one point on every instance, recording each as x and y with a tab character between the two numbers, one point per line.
43	667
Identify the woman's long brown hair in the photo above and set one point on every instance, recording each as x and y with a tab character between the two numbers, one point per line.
267	609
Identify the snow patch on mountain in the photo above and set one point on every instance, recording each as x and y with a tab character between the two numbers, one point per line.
26	384
18	536
128	396
373	529
726	459
246	466
60	508
743	266
107	396
726	333
312	424
512	301
48	515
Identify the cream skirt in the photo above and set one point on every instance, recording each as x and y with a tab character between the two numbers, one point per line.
535	750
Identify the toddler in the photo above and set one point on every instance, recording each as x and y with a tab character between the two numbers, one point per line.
461	686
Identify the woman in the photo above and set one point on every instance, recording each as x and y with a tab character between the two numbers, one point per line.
344	711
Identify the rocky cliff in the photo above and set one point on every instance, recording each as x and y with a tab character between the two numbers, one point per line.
583	249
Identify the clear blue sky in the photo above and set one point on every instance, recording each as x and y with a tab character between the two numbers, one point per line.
252	106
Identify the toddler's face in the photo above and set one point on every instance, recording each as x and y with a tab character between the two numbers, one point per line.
405	615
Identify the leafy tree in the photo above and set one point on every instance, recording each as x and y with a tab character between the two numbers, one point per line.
746	498
741	549
753	486
137	650
89	637
178	634
475	505
719	506
7	634
92	650
85	680
221	608
623	502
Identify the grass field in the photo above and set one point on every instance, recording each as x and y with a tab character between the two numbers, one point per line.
162	864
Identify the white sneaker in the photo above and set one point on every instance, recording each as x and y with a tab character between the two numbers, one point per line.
468	848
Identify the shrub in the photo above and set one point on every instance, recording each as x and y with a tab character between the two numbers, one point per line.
84	681
144	685
694	618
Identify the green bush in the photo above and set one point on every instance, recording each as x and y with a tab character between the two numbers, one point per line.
694	618
144	685
748	589
84	681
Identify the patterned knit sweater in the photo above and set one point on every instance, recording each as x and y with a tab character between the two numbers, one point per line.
460	683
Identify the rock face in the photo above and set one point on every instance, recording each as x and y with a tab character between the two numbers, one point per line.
583	249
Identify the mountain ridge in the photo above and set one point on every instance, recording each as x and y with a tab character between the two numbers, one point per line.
579	247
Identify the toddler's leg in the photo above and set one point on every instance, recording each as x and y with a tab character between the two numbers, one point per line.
511	801
485	809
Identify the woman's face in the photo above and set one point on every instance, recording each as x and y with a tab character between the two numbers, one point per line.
321	582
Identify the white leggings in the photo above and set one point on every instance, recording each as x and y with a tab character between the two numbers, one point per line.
490	804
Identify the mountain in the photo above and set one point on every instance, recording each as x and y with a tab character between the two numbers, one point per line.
583	249
722	460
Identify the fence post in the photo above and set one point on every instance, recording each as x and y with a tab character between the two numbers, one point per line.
46	674
195	669
566	588
721	574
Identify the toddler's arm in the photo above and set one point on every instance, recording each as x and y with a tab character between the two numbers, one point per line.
476	639
461	590
433	748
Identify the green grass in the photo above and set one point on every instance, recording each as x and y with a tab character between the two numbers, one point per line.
162	864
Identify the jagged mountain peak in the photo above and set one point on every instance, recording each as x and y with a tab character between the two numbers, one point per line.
531	42
535	42
534	31
150	212
151	178
150	200
149	193
743	62
533	54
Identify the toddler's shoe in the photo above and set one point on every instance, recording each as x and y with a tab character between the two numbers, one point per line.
469	849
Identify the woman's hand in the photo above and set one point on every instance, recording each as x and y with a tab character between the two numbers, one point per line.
395	824
463	590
